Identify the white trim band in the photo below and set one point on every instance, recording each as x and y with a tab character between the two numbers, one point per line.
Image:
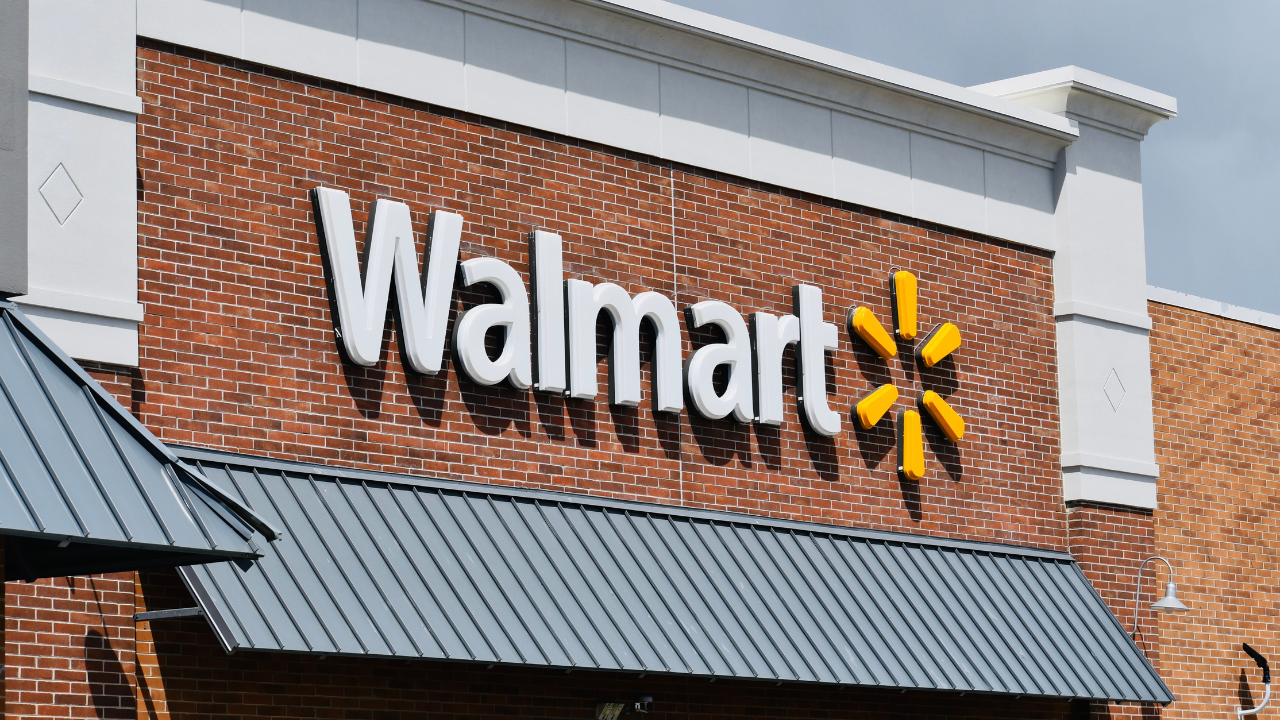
1120	317
1102	462
110	99
1213	307
1081	486
83	304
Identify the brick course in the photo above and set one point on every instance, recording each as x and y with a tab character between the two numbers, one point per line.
69	647
1216	386
238	350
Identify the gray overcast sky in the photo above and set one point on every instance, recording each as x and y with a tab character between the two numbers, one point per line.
1211	176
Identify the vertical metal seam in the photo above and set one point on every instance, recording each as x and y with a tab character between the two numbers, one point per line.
284	480
712	527
22	494
360	558
590	555
737	618
471	577
685	600
756	624
882	579
845	551
808	552
1118	657
753	532
373	580
572	593
1115	674
1027	632
546	589
182	490
338	564
542	510
244	631
918	560
293	575
403	588
226	636
1049	649
942	633
1129	649
587	519
257	606
35	443
796	543
128	464
448	581
1031	668
461	566
75	441
661	597
1100	681
946	576
465	499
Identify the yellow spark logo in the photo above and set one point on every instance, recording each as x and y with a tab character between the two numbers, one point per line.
938	344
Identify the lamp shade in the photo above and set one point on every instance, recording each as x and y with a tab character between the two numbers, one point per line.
1170	602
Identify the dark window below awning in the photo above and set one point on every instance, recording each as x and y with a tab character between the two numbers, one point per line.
384	565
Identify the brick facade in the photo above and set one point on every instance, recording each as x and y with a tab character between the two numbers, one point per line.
238	353
238	350
1216	385
69	647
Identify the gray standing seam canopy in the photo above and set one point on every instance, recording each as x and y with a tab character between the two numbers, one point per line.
85	488
373	564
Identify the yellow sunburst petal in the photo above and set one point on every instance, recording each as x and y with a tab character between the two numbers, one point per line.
910	445
863	322
873	407
951	424
903	290
939	343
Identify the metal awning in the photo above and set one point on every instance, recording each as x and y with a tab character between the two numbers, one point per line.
85	488
385	565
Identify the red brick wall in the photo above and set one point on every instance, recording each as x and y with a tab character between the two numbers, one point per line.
3	622
238	349
1110	544
69	647
1216	385
119	381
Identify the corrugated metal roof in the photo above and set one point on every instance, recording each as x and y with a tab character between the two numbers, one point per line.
390	566
76	469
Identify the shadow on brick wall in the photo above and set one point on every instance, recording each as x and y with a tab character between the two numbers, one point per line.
108	683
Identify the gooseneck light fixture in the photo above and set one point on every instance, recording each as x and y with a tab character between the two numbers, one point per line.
1167	604
1266	682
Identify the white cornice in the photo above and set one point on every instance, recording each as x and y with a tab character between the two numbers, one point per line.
725	30
1213	307
1083	94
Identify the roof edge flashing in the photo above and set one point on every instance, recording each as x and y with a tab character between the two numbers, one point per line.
775	44
196	454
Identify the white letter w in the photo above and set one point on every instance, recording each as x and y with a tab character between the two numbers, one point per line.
362	296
